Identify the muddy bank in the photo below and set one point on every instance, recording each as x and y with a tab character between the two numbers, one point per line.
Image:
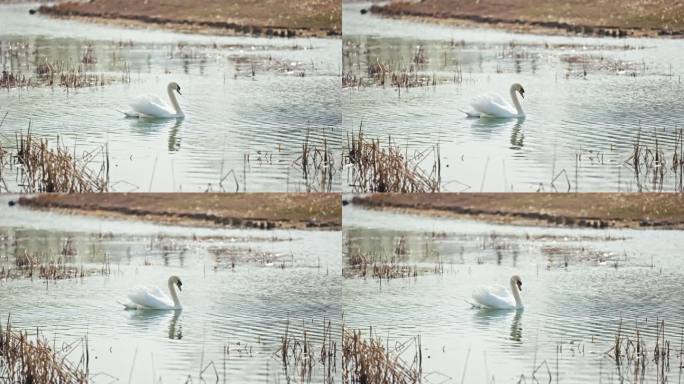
596	210
254	210
616	19
240	17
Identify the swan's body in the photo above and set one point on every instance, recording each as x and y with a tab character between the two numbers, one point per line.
153	106
495	106
153	298
498	297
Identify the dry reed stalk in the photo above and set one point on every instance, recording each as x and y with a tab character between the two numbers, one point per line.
378	168
28	358
632	358
370	361
317	165
300	357
41	168
648	163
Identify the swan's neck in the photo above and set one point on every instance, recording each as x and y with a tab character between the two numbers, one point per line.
516	103
174	102
174	296
516	294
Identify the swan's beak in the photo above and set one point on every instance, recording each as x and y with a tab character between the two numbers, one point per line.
180	285
522	93
519	285
178	90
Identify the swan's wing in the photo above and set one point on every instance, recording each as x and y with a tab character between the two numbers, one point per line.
151	298
498	290
150	105
493	297
492	105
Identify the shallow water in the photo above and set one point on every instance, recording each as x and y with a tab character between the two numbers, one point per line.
278	277
253	125
578	285
586	100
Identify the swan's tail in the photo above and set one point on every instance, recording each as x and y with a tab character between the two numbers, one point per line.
470	113
128	306
474	305
129	114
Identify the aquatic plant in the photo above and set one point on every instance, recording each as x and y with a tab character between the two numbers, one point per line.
633	357
41	167
371	361
28	358
317	165
13	80
649	163
33	70
388	264
678	161
299	355
89	55
375	167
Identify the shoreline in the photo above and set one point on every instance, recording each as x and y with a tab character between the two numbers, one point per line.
320	211
586	210
517	25
68	11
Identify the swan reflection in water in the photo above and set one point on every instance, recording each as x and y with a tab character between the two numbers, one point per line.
487	317
149	319
148	126
486	127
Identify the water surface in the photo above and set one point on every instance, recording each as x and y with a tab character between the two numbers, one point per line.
579	285
241	289
587	99
252	125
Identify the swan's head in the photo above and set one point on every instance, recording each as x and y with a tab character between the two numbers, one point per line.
173	86
176	280
515	279
518	88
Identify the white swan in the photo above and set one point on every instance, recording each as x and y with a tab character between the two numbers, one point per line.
491	105
152	106
498	297
153	298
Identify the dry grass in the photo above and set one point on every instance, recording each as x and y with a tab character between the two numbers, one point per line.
576	16
63	74
317	166
399	76
13	80
597	210
49	268
264	17
28	358
375	167
300	356
649	163
677	166
634	358
42	167
253	210
370	361
386	266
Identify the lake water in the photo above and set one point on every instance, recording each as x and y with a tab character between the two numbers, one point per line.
233	316
253	125
578	286
586	100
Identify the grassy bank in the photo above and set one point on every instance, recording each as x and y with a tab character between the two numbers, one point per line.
263	17
254	210
599	210
603	17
